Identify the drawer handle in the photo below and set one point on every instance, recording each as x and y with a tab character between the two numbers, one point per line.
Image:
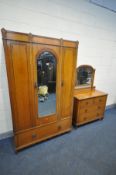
87	103
86	110
46	119
34	136
59	127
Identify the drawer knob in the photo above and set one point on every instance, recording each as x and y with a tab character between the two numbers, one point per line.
86	110
34	136
99	107
87	103
59	127
100	100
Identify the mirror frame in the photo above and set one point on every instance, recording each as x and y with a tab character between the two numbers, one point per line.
52	115
93	75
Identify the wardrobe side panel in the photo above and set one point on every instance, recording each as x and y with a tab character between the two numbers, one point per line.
19	58
68	74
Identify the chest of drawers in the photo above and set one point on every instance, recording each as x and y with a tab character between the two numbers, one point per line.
88	107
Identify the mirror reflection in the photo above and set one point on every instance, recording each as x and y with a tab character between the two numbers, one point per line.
84	75
46	82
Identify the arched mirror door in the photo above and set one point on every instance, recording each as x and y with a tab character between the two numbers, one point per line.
46	83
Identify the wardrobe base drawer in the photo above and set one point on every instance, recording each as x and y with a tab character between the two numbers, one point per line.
35	135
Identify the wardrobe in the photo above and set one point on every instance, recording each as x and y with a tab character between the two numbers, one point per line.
41	75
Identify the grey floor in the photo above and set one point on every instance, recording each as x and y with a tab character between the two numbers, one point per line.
87	150
48	106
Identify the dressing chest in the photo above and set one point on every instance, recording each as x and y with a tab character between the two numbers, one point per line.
89	103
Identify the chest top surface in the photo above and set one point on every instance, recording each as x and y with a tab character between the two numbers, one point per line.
90	94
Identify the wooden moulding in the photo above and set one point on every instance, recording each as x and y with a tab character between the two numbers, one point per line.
28	37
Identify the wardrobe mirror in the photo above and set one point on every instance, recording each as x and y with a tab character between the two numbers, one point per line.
46	83
85	76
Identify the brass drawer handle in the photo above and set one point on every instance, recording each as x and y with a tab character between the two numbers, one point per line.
86	110
34	136
100	100
59	127
46	119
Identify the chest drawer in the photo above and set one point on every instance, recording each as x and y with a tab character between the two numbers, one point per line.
100	101
92	108
92	115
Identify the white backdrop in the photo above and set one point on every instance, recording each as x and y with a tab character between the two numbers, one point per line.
94	27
